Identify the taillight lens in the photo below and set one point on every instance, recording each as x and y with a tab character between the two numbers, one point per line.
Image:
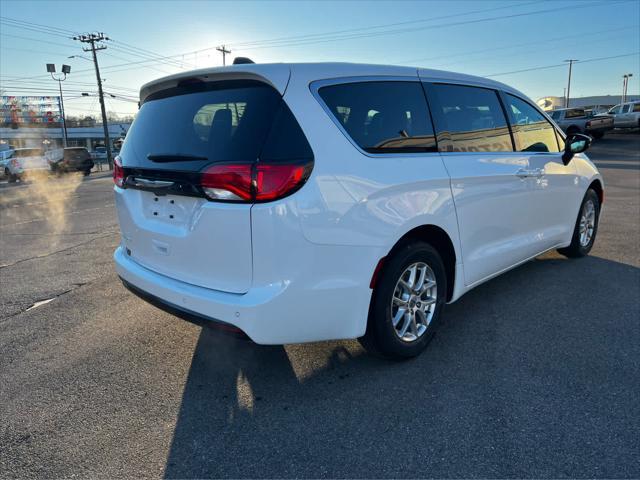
275	181
227	182
118	172
249	182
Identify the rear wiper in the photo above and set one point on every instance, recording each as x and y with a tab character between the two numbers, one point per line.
174	157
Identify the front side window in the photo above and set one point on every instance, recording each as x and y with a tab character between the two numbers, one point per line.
531	131
382	117
626	108
469	119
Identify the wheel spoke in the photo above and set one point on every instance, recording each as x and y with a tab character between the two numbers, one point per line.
429	284
423	274
428	301
423	317
399	301
407	321
399	314
414	326
411	281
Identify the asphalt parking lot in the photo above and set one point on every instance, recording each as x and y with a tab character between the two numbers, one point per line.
534	374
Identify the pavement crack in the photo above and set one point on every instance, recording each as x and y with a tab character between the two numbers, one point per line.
58	251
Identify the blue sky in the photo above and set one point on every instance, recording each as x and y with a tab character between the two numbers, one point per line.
460	36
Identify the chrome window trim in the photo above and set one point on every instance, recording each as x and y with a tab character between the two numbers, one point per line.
316	85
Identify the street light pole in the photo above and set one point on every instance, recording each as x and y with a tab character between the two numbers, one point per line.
51	68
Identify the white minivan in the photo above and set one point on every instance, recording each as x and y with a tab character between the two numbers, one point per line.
306	202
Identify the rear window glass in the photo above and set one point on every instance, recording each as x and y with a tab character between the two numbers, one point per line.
469	119
574	113
636	107
382	117
187	128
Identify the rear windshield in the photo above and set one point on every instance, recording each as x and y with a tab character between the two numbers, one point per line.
186	128
574	113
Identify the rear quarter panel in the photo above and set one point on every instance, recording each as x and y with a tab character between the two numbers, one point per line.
355	199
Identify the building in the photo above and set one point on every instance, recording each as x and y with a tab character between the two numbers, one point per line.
52	136
551	103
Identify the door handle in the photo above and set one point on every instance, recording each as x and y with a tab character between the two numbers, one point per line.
526	173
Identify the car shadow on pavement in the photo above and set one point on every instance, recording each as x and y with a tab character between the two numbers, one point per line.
513	385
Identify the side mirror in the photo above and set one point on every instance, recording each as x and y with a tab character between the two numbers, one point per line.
576	143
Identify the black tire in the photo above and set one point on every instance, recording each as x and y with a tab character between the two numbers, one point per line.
576	249
86	173
12	178
381	336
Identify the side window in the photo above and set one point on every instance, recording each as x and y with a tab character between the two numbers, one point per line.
383	117
469	119
615	110
531	131
626	108
636	107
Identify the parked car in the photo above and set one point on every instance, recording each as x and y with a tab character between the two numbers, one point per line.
25	162
70	159
626	115
306	202
577	120
5	156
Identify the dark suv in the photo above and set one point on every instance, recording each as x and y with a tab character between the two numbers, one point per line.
74	159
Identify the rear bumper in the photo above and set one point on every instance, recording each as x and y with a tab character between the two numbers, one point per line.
187	315
275	314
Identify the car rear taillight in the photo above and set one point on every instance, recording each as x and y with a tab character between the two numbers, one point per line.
588	124
253	182
118	172
275	181
227	182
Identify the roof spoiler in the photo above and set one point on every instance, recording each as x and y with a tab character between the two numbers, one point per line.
242	60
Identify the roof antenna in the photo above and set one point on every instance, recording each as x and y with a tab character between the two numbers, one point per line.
242	60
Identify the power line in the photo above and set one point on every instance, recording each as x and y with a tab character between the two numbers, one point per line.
371	27
561	64
517	45
123	47
405	30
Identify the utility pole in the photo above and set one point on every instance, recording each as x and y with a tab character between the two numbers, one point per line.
571	62
51	68
92	39
625	84
222	49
